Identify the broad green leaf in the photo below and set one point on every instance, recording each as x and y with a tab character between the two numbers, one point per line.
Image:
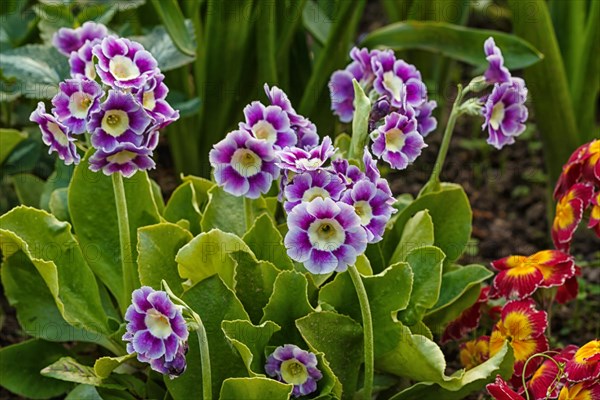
183	205
84	392
473	380
439	319
266	243
250	341
288	302
457	42
157	248
59	204
417	232
9	138
29	189
208	254
256	388
60	178
340	339
360	122
51	247
451	214
20	366
94	219
171	15
214	302
70	370
253	283
105	365
426	265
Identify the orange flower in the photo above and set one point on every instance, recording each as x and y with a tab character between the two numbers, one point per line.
585	364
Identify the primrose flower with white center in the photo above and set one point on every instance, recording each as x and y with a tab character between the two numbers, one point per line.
496	72
153	96
400	81
156	330
299	160
397	141
244	165
125	158
123	63
74	102
324	235
269	123
350	174
55	135
120	119
68	40
505	112
291	364
82	61
309	185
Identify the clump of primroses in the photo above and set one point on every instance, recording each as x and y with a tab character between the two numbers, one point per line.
116	94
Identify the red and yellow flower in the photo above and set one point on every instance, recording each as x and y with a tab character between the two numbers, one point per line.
499	390
545	381
585	364
570	289
523	327
595	214
520	276
583	166
467	320
569	211
475	352
580	391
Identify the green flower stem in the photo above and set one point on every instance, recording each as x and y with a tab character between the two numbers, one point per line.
248	212
124	239
556	378
365	310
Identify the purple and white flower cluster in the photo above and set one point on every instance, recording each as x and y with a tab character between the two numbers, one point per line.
116	94
334	209
401	115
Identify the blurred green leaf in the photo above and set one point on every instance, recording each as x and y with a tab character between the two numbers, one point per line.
9	139
360	122
255	388
164	49
29	189
172	17
59	204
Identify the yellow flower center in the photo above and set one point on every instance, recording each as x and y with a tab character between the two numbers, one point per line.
158	324
364	211
265	131
497	115
294	372
122	157
115	122
123	68
58	134
394	139
246	162
326	234
394	84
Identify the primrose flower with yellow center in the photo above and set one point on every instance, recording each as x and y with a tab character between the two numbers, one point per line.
269	123
397	141
399	81
523	327
291	364
55	135
569	212
520	276
126	159
585	364
74	102
475	352
309	185
595	214
580	391
545	381
152	96
82	61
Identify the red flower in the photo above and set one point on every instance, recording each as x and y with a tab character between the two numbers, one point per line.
545	381
569	211
569	290
499	390
580	391
595	214
467	320
583	166
585	364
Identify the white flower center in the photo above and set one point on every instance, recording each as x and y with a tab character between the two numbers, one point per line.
79	104
148	100
246	162
123	68
121	157
58	134
497	115
265	131
115	122
364	211
90	71
294	372
158	324
394	84
326	234
394	139
309	164
315	192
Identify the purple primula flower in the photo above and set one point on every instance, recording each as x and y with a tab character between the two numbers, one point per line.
67	40
120	119
426	122
123	63
306	131
299	160
125	158
291	364
324	235
244	165
397	141
270	124
175	367
309	185
496	72
82	61
74	102
55	135
153	96
156	330
397	79
505	112
373	175
349	174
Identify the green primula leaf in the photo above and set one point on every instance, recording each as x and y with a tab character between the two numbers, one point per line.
95	221
426	265
157	248
451	214
214	302
360	122
51	247
29	189
438	320
473	380
417	232
256	388
460	43
70	370
288	302
105	365
266	243
84	392
250	341
60	178
253	283
20	366
183	204
208	254
9	139
171	15
59	204
340	339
